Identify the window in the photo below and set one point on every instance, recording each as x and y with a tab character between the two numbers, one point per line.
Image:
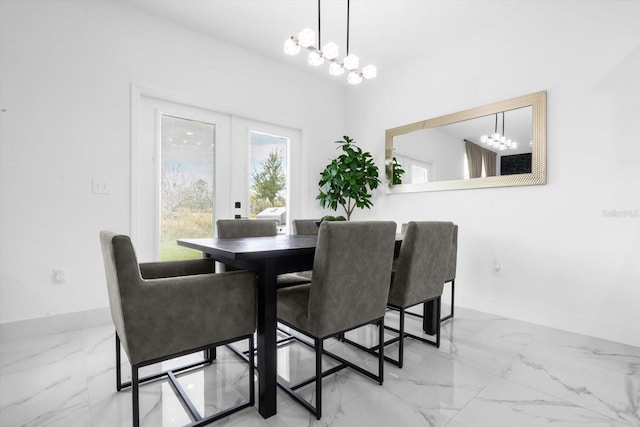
417	171
186	183
268	176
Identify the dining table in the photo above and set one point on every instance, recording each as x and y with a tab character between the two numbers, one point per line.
268	257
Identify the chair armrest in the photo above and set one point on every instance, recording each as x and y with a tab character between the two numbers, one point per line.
156	270
170	315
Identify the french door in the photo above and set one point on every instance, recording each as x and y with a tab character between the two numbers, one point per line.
192	165
266	159
180	176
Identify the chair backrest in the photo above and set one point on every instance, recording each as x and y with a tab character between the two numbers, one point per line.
231	228
422	263
121	268
453	256
351	275
305	226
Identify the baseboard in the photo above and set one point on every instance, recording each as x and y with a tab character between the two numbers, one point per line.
32	328
598	328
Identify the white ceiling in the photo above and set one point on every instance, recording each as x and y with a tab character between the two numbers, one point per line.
382	32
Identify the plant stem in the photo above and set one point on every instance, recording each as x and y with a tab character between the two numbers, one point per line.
349	209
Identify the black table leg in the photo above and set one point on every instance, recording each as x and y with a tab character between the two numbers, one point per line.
431	317
267	347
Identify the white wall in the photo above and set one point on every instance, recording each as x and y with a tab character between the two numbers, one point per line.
564	263
65	75
65	81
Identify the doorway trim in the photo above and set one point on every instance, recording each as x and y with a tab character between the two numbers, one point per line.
138	91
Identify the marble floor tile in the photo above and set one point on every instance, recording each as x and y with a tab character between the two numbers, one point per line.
28	394
34	352
488	371
78	415
503	403
589	372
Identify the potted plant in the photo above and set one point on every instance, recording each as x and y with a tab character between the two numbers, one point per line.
397	172
349	179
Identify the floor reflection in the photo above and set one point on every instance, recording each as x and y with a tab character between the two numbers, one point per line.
489	371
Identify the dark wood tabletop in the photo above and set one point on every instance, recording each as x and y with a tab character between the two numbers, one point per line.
253	247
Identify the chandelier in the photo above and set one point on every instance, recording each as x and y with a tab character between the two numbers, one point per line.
496	140
331	52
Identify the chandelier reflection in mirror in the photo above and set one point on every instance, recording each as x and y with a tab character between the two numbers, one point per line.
331	52
501	142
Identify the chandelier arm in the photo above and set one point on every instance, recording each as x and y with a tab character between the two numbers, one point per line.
319	44
347	27
305	40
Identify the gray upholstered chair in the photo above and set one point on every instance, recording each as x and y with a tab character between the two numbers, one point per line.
350	286
305	227
163	310
420	274
234	228
451	270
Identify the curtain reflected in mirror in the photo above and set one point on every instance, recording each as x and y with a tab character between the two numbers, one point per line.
501	144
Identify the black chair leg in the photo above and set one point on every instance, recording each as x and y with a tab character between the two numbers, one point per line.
381	351
210	354
401	342
438	308
135	397
252	386
118	366
319	351
453	292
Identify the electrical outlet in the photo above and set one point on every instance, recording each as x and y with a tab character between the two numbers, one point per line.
101	185
59	276
497	267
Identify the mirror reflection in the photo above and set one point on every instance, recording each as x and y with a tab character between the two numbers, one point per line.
501	144
493	145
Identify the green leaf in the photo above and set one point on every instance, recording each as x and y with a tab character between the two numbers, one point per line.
348	179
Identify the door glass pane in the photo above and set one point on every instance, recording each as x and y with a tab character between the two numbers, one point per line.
186	184
268	177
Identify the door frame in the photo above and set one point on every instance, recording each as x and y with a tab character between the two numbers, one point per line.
224	196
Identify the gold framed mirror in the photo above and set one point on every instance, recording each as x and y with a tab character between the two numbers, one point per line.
497	145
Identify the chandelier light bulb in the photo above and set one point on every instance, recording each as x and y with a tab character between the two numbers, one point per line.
336	69
330	50
312	41
369	72
315	58
291	47
351	62
306	38
354	78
